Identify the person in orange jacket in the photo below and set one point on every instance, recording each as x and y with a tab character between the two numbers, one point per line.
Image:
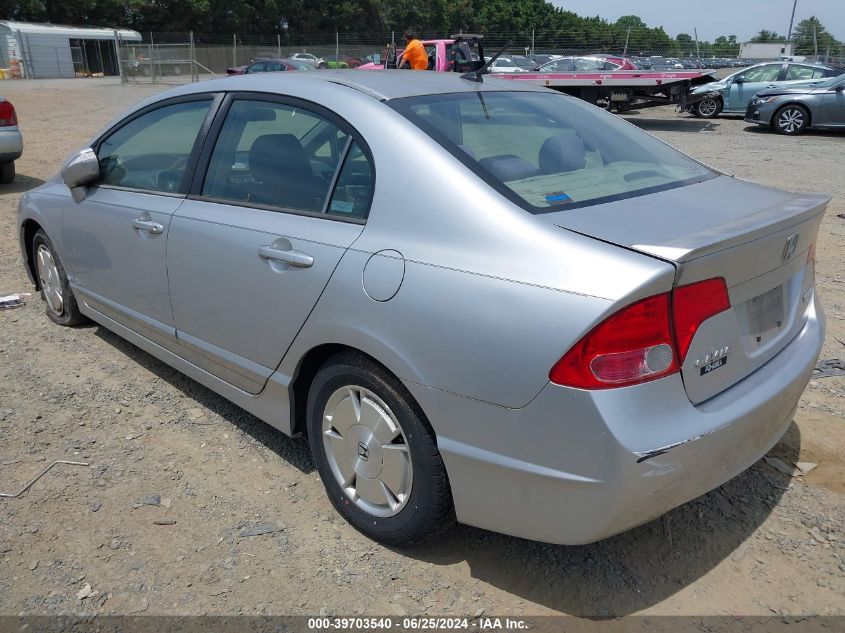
414	56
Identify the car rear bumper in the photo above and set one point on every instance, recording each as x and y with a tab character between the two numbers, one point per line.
11	144
574	466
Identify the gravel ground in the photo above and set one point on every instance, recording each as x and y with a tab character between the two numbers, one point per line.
164	449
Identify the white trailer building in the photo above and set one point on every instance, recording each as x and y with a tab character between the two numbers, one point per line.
764	51
52	50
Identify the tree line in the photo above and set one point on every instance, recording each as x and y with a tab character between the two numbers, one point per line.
552	26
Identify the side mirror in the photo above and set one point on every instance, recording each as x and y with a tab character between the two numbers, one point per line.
840	88
377	58
81	169
739	80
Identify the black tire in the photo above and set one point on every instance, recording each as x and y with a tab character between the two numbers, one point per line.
791	120
7	172
708	108
428	510
323	65
69	314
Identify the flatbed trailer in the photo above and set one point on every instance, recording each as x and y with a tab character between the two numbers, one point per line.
623	89
618	90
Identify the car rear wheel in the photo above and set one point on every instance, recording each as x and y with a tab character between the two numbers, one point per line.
55	289
791	120
376	453
7	172
708	108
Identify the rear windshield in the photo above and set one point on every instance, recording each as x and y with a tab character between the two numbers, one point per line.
548	151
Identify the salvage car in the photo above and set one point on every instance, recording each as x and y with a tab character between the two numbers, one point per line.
791	111
732	94
270	66
11	141
576	330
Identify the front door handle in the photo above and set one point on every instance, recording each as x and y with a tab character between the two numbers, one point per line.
293	258
149	226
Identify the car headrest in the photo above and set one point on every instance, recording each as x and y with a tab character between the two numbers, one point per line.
278	156
508	167
562	153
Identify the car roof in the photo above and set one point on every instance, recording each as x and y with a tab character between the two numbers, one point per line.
379	84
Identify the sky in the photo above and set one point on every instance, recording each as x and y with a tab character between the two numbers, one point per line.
713	18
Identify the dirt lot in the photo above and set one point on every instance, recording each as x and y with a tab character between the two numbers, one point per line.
765	543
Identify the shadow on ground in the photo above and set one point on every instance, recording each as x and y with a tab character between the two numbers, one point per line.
21	184
614	577
673	125
295	451
631	571
762	129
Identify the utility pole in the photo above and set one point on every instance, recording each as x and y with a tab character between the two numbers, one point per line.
791	21
815	43
627	37
697	49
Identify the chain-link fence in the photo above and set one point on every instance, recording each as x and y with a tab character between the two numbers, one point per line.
184	57
181	57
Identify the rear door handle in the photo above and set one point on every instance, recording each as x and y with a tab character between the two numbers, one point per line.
149	226
293	258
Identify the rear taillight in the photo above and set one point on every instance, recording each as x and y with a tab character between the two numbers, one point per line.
692	305
644	341
7	114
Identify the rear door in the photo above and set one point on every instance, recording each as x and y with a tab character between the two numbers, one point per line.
832	110
267	222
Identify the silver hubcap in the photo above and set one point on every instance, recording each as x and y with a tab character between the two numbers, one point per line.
791	120
48	275
707	107
367	451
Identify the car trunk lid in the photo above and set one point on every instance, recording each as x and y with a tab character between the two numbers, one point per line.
755	237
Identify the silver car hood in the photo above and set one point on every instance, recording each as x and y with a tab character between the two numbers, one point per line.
693	221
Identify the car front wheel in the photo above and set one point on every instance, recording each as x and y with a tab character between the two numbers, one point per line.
791	120
708	108
376	453
55	289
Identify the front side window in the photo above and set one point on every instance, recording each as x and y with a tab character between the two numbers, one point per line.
548	151
769	72
151	152
283	156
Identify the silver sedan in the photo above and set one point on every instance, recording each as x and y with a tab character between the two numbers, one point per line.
480	301
791	111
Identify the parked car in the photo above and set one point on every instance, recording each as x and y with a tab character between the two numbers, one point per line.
791	111
578	64
319	62
11	141
270	65
732	94
506	65
576	331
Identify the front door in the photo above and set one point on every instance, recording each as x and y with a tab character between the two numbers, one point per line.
749	83
285	193
118	233
832	111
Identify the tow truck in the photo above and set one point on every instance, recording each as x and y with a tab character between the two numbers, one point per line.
618	90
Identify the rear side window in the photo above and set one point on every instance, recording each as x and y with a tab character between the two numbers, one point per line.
794	72
547	151
287	157
354	189
151	152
